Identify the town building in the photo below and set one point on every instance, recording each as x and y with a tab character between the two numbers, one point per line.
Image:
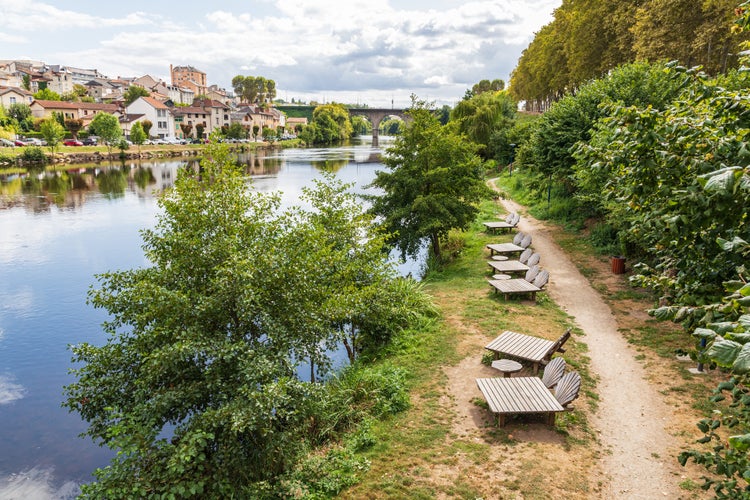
189	77
155	111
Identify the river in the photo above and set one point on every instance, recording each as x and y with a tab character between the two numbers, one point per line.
56	233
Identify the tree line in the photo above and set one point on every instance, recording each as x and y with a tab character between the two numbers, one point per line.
585	40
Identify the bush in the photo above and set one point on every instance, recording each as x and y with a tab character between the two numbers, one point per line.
33	154
605	239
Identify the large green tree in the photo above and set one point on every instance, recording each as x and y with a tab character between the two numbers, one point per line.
107	127
433	182
197	386
481	115
331	123
52	132
254	89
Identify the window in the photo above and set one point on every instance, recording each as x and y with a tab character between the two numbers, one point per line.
162	125
12	100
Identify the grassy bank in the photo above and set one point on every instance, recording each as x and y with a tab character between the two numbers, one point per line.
427	451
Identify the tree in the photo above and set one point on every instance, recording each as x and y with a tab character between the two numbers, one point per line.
52	132
434	180
480	116
236	131
20	113
146	124
199	128
196	385
46	94
186	128
137	135
107	127
74	125
133	93
256	130
332	123
254	89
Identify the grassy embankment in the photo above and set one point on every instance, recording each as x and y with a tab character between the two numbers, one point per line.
426	452
432	451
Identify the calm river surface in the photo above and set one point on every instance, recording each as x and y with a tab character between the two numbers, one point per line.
54	237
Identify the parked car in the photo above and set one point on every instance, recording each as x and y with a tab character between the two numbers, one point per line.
72	142
90	141
19	142
6	143
33	141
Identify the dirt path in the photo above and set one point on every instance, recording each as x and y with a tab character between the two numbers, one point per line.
632	419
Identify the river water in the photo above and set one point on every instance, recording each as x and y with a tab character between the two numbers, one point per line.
56	233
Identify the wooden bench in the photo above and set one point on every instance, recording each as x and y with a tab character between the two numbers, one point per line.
535	350
519	395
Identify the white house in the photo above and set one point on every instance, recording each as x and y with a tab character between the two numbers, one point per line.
155	111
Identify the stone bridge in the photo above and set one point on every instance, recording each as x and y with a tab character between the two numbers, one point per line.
376	115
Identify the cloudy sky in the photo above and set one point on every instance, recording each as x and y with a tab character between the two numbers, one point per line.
373	52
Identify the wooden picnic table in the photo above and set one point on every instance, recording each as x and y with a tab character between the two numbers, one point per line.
521	346
519	395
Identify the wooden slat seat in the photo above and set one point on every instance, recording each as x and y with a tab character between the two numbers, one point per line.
553	372
568	388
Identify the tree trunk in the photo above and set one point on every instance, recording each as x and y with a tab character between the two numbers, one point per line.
435	239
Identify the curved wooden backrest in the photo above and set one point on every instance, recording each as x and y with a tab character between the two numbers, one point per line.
531	273
534	259
509	218
553	372
516	219
526	241
541	279
525	256
568	388
518	238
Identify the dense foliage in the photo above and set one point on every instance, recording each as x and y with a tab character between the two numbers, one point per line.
671	181
197	386
433	182
330	124
480	116
254	89
587	39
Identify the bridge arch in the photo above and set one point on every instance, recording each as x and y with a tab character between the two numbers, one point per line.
376	115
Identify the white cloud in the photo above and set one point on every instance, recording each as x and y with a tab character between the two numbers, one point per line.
27	15
374	48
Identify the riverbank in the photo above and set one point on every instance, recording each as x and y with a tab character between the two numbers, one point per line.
609	446
21	157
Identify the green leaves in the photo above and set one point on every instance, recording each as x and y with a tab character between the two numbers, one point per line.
432	186
196	386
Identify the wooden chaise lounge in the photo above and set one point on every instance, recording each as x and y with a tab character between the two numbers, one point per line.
518	245
532	284
527	259
535	350
528	395
510	222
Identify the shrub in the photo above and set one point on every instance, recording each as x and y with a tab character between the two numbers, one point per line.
33	154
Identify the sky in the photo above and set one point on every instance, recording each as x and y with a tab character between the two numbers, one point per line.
376	52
